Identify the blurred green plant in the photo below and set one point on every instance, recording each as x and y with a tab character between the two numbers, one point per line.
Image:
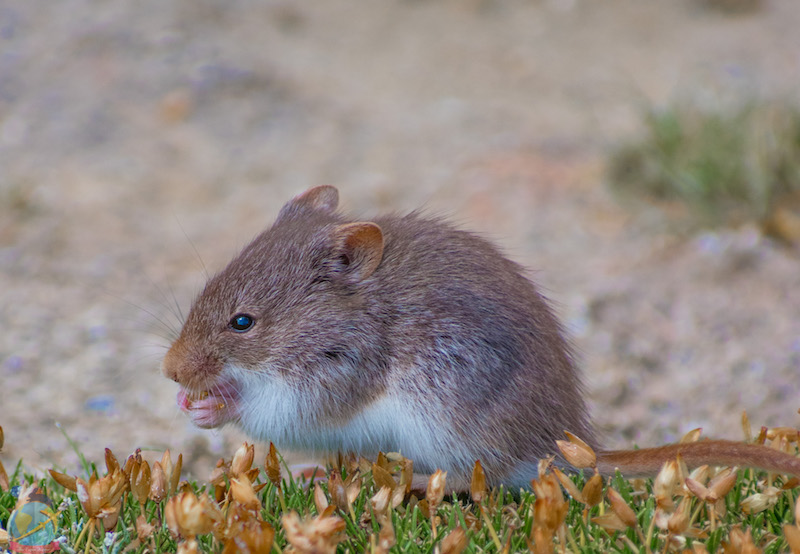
724	167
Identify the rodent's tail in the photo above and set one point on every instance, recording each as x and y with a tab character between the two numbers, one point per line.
648	461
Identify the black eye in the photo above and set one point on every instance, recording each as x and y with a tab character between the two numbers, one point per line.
241	323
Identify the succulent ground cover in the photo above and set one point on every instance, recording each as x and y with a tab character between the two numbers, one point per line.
359	505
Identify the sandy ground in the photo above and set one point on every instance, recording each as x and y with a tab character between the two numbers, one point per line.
141	142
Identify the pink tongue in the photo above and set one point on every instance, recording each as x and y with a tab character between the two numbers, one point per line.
211	411
183	400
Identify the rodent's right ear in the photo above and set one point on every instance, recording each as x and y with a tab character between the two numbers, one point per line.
359	248
324	198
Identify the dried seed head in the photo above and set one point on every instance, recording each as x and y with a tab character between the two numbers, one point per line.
611	522
691	436
621	508
382	477
406	474
383	461
740	542
568	485
100	497
2	437
140	481
188	547
679	521
455	542
111	461
542	541
352	487
166	462
477	487
665	484
273	467
761	501
320	500
386	537
238	519
435	491
723	482
397	496
748	432
66	481
545	464
577	452
797	512
158	483
593	490
380	502
143	529
338	491
253	537
4	483
175	475
317	535
422	506
188	516
700	491
792	535
550	508
243	493
683	471
172	473
700	474
242	459
787	434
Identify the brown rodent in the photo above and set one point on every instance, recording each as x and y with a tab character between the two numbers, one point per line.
400	334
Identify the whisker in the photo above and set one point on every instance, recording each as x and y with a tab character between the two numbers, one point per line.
194	249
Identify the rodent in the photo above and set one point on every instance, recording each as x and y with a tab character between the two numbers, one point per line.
398	334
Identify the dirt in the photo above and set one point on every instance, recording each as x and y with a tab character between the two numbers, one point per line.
142	144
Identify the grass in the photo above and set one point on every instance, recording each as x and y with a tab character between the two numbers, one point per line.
724	167
253	509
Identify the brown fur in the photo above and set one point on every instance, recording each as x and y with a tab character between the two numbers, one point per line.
349	313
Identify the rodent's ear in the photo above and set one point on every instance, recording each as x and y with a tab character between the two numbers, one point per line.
324	198
359	246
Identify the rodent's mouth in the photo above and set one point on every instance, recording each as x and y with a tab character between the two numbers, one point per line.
210	408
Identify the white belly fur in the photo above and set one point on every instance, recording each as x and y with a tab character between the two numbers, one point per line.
270	410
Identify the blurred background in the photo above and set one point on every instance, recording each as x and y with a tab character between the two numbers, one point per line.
143	141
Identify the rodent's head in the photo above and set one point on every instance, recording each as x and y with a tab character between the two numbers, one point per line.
288	314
